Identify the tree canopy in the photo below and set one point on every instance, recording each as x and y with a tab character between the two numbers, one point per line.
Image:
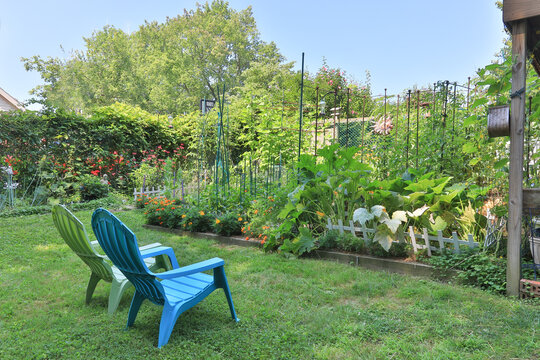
161	67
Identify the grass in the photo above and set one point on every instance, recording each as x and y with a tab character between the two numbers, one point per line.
288	309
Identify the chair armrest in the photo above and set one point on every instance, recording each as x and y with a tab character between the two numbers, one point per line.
161	250
192	269
97	248
149	246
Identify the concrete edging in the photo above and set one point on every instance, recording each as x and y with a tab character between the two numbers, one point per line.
365	261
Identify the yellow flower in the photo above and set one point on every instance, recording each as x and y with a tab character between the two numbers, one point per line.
201	212
239	219
183	216
217	221
320	214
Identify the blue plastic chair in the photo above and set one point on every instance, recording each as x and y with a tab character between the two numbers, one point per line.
179	289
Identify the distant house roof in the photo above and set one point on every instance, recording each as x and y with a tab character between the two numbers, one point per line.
8	102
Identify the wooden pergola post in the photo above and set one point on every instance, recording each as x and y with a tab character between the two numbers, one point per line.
517	116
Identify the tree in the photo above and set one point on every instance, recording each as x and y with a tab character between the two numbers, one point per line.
164	67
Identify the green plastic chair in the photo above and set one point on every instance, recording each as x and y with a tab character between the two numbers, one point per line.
74	234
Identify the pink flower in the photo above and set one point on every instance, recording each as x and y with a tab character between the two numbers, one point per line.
383	126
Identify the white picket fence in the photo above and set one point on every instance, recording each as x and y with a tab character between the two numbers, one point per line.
188	189
153	191
425	241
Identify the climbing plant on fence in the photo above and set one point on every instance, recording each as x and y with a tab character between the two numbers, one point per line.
52	148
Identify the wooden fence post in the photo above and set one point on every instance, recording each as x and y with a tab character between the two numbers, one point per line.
441	241
456	242
413	239
515	197
426	239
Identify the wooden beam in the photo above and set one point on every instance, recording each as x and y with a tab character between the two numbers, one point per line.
531	198
531	202
515	198
515	10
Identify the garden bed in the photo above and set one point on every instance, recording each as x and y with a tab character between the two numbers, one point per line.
399	266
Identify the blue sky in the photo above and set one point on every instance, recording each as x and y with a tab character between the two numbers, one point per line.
401	43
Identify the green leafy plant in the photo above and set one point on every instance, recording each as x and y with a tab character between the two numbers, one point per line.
387	229
92	187
303	243
332	239
477	268
228	224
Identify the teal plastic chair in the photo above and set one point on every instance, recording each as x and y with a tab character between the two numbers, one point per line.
74	234
179	289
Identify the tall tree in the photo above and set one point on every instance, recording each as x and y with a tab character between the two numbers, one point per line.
160	67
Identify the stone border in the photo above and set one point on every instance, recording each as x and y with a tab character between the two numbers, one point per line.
365	261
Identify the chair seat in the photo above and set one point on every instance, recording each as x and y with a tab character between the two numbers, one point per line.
183	289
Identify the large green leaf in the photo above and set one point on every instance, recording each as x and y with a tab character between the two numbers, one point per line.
469	148
501	163
286	210
383	236
377	210
449	197
439	224
400	215
418	212
470	120
392	224
421	185
362	216
479	102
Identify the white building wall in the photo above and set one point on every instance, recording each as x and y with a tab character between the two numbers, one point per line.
5	105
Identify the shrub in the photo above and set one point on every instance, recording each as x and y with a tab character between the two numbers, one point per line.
348	242
198	220
328	240
92	188
228	224
398	250
477	268
150	176
174	218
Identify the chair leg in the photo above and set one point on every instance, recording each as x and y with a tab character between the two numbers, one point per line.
163	262
221	282
166	325
134	308
117	290
94	279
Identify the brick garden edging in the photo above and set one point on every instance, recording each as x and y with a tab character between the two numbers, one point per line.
365	261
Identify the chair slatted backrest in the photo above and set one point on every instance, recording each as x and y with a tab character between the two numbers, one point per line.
120	245
74	234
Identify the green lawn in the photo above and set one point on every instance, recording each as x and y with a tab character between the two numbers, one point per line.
288	309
